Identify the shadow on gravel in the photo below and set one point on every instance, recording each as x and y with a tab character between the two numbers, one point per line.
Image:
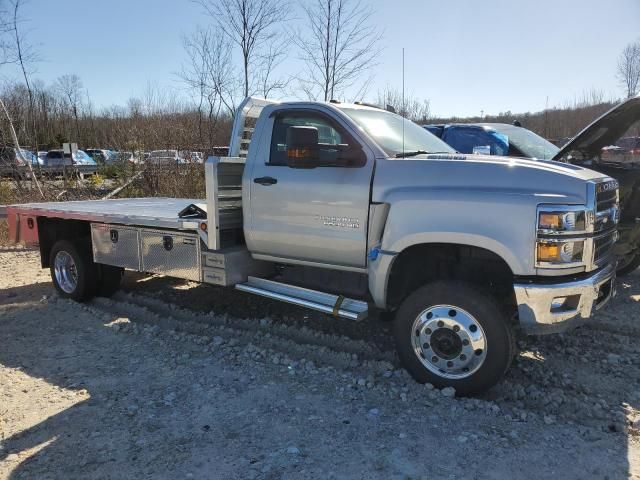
207	298
125	427
34	291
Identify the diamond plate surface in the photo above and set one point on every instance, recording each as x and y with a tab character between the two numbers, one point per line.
123	252
169	253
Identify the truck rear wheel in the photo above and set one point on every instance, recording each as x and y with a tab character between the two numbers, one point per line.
73	272
451	335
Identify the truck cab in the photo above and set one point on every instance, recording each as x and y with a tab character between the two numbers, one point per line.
346	207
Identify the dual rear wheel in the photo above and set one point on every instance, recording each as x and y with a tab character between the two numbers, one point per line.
76	276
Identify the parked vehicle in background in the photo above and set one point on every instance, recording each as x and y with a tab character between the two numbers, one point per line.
56	161
42	154
164	157
192	157
32	157
613	153
57	158
82	158
592	148
495	139
337	207
630	145
14	162
102	156
125	157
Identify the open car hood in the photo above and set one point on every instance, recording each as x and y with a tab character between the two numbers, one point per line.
604	131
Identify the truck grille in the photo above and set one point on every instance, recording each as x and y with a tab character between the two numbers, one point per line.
606	218
603	248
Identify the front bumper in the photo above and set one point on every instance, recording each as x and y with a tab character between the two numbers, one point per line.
557	307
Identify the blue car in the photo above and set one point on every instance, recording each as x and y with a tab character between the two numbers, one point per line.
82	158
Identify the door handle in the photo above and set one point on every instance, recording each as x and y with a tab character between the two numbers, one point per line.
265	181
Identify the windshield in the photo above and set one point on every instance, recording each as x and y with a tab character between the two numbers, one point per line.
385	128
80	155
29	156
530	144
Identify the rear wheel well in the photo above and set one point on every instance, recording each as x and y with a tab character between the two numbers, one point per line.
424	263
50	230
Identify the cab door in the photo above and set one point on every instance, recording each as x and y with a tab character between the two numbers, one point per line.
317	215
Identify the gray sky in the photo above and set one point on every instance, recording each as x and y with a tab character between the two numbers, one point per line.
463	55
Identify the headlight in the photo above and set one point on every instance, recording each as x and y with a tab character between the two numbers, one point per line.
560	253
558	222
562	233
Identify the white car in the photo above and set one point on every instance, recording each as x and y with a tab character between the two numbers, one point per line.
164	157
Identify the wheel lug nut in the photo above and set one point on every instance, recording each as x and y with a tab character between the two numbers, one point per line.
463	357
434	359
456	328
440	323
425	346
449	364
428	331
465	342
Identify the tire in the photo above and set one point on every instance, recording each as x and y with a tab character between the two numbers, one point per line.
109	282
628	264
73	271
450	334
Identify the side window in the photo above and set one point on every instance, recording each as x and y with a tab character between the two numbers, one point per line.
330	136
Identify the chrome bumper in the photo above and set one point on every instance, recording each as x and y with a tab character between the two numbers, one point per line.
556	307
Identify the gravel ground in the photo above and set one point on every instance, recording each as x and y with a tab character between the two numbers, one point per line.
171	379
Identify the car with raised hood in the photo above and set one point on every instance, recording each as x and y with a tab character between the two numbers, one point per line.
345	207
593	147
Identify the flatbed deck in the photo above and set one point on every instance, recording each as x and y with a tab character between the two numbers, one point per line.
146	212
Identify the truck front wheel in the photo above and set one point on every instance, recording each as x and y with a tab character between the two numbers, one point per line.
451	335
73	272
628	263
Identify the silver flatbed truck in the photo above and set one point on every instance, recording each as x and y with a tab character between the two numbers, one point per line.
339	207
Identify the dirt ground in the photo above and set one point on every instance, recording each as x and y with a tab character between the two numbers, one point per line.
171	379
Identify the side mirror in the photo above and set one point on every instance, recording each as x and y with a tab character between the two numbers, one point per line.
302	147
482	150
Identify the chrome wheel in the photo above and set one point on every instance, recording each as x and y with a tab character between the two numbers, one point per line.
66	272
449	341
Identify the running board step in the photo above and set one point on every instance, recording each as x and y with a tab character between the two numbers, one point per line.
335	305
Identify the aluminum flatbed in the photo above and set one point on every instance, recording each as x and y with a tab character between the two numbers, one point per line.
146	212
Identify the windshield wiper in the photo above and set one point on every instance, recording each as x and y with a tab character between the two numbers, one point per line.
411	153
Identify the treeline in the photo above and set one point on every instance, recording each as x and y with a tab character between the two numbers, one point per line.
556	123
159	120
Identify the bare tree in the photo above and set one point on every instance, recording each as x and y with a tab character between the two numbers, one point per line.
70	87
629	68
251	24
209	75
265	79
408	106
341	47
6	52
25	57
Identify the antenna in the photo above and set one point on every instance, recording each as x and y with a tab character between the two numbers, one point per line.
403	105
